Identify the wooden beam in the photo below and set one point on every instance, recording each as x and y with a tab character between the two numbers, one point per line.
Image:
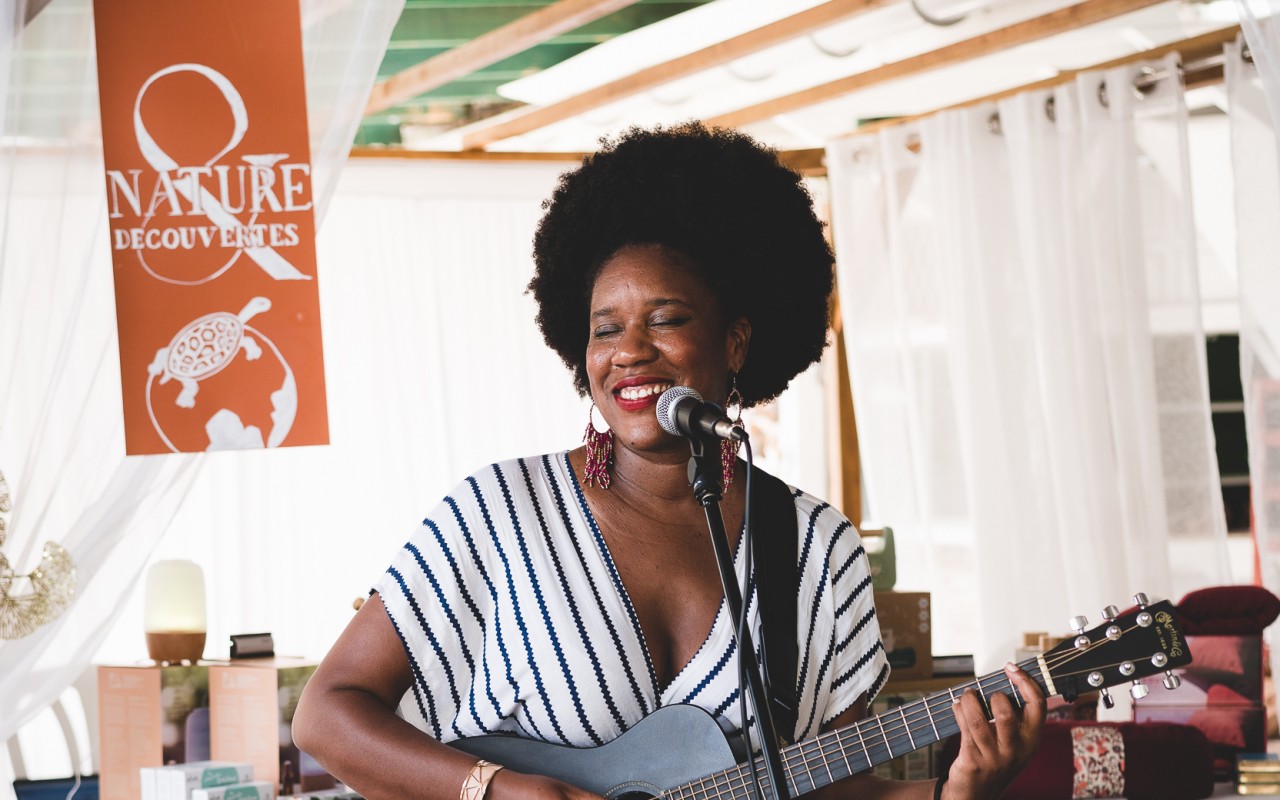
483	135
1066	19
514	37
811	161
1193	49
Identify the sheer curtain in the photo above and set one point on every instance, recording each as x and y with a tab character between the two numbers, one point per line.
61	434
1022	319
1257	185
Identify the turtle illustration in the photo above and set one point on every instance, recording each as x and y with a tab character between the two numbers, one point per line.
205	347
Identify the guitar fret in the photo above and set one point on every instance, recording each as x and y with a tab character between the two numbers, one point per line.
857	728
884	736
929	713
839	740
826	762
1017	698
804	762
903	711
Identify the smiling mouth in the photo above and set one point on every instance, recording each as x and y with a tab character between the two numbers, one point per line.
641	392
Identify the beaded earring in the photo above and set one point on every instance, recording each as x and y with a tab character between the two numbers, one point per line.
599	453
729	447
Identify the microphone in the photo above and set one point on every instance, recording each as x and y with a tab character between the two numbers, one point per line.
683	412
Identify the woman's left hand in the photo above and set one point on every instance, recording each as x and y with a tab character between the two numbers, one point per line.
993	752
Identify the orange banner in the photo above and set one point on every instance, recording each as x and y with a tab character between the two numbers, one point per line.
208	181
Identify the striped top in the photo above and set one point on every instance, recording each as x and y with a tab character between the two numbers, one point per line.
515	619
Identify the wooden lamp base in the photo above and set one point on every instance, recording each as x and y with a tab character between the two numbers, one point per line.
174	646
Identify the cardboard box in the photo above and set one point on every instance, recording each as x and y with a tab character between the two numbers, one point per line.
1224	671
149	716
251	706
906	631
256	790
180	781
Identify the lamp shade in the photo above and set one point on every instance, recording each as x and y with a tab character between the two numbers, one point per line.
174	615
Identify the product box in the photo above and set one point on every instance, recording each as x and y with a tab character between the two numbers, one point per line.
906	631
180	781
257	790
149	716
1224	671
251	706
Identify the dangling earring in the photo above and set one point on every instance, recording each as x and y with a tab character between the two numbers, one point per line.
728	447
599	453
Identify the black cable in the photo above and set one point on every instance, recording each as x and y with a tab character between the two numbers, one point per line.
748	543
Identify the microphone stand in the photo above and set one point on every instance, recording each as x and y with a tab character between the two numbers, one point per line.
704	477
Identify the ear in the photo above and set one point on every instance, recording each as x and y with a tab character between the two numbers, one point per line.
737	342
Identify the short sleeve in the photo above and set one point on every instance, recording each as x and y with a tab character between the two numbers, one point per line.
435	594
859	663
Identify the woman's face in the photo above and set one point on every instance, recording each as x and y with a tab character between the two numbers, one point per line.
654	325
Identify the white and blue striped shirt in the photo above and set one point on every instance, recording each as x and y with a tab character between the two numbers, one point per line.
515	619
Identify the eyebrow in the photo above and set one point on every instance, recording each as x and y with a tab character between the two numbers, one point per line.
657	302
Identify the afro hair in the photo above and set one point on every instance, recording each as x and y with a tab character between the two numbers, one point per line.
720	198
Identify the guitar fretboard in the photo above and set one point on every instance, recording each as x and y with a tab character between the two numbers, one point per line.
837	754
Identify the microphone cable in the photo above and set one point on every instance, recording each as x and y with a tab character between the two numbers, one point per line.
743	685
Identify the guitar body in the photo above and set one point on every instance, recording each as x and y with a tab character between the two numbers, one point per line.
672	746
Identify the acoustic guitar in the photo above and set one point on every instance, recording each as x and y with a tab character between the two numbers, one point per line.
679	752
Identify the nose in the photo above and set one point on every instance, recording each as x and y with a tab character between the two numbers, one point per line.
635	346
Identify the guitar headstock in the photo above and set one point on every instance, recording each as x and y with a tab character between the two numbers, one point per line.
1125	647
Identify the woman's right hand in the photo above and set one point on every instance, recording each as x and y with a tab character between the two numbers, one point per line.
511	785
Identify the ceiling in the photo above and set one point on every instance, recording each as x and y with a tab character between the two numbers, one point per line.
795	73
428	28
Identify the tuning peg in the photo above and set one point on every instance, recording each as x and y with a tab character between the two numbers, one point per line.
1110	613
1140	600
1138	690
1107	699
1171	681
1078	624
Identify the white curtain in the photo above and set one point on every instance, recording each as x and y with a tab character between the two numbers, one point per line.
1022	319
61	433
1258	20
1257	200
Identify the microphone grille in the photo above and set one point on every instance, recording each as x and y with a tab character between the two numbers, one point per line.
667	403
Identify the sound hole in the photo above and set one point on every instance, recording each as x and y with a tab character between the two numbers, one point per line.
633	796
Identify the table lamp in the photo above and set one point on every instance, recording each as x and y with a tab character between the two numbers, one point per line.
175	611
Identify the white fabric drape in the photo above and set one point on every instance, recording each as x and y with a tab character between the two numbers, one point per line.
61	432
1258	21
1256	167
1022	318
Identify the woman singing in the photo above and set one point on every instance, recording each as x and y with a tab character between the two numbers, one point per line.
565	597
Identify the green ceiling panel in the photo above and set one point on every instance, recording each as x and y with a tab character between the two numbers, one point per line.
429	27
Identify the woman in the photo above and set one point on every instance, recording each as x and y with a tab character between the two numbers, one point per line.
566	597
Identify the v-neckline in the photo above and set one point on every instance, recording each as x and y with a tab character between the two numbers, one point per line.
660	694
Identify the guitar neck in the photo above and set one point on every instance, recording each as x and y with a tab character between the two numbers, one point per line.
837	754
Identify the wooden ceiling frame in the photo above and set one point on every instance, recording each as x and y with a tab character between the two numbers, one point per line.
812	161
1193	50
1063	20
485	133
515	37
808	161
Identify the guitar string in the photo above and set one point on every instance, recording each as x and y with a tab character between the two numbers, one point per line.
906	723
813	751
803	755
